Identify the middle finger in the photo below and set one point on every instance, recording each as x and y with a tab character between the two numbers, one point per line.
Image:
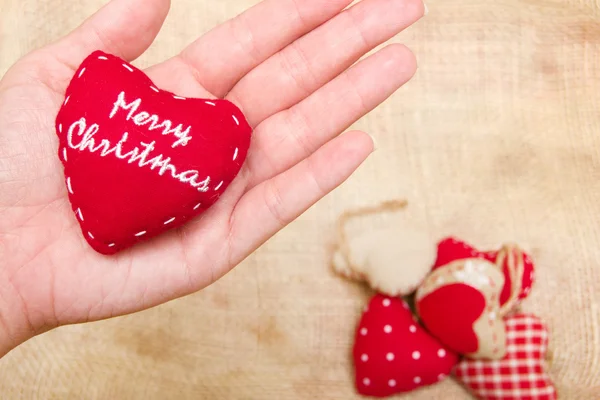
313	60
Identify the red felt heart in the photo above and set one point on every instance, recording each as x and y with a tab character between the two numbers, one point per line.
454	327
393	354
458	304
451	249
521	374
139	160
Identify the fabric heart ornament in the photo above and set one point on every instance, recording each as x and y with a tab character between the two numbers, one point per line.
521	374
517	266
393	354
139	160
459	305
372	255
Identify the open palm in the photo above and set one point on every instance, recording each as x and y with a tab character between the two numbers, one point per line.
288	65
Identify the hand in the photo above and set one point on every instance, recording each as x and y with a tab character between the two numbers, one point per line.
288	65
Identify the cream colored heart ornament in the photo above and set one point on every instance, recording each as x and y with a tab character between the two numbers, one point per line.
459	305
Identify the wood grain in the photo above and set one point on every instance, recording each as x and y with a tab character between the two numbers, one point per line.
496	138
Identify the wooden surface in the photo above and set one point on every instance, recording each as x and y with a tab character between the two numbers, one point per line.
495	139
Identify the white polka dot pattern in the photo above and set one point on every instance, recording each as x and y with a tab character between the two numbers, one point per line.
393	354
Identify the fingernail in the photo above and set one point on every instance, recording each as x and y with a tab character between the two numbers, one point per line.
374	142
426	9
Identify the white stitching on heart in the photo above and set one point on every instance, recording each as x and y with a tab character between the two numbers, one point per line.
102	58
128	67
70	188
69	185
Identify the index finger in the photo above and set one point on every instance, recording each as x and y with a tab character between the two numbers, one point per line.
220	58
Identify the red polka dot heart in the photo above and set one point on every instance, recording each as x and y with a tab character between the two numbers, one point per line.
393	353
139	160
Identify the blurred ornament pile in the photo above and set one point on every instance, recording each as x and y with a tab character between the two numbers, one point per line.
458	315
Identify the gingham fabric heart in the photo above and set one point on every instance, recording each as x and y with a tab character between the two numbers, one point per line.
521	374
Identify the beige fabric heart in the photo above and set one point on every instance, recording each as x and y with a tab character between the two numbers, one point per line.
392	257
488	280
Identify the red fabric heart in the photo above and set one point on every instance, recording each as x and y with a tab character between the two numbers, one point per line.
139	160
393	354
451	249
458	304
521	374
454	327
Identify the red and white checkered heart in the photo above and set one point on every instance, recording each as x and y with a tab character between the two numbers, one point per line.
521	374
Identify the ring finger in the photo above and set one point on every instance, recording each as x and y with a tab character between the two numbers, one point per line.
313	60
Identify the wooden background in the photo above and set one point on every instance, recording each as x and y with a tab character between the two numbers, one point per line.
495	139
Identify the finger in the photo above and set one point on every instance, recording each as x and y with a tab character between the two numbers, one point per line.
125	28
194	260
272	205
221	57
292	135
315	59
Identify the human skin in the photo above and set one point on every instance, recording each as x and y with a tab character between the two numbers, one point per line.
289	65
